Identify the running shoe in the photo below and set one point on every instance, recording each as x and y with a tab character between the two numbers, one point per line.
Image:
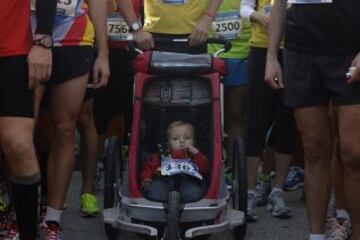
9	232
338	229
331	210
294	179
50	230
262	190
251	208
277	206
89	206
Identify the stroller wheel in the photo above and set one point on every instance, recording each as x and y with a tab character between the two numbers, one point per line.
239	189
112	181
172	230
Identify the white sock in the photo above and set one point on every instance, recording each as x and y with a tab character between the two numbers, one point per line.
342	213
52	214
317	237
276	189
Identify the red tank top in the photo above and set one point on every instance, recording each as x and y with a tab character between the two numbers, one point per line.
15	29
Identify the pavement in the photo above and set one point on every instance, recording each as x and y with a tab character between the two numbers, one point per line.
267	228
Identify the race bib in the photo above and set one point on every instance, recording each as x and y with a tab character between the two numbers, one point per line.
170	167
63	7
227	25
117	28
309	1
174	2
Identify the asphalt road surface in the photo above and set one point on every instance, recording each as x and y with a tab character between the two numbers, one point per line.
267	228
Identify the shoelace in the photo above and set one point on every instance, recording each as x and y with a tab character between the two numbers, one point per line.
251	201
339	233
278	199
52	231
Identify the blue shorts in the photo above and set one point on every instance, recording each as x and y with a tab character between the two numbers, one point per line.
236	72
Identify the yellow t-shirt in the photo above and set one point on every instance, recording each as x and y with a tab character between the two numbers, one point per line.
259	36
173	16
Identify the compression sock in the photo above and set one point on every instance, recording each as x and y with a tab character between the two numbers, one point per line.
25	197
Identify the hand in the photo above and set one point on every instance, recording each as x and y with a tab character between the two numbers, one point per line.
144	40
40	66
145	183
356	72
200	32
101	71
192	149
273	73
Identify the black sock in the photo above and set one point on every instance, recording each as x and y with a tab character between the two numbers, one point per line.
25	200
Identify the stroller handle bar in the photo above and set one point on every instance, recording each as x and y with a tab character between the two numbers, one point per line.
161	40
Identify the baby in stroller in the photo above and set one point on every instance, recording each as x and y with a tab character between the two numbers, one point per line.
182	167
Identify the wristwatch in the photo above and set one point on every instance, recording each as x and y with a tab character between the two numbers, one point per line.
45	42
136	26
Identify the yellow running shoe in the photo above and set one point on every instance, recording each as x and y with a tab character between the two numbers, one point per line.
89	206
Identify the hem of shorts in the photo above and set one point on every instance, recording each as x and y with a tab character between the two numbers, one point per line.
339	103
17	115
68	78
307	105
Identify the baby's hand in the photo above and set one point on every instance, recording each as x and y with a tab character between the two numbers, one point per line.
192	149
146	182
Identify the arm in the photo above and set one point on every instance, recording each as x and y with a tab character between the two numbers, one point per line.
202	162
149	168
201	29
40	58
247	12
273	72
98	14
143	39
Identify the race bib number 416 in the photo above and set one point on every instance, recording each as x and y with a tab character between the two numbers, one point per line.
170	167
309	1
63	7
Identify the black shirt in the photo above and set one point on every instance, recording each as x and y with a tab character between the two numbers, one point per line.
324	28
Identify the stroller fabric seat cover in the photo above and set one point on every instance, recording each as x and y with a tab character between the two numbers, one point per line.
171	63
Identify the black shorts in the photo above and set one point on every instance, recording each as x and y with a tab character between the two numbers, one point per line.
70	62
16	99
116	97
312	80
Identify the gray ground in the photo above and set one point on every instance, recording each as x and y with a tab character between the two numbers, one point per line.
78	228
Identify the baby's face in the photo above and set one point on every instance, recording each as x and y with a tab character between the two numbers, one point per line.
180	137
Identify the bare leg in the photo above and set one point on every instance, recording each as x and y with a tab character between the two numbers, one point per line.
66	100
89	145
314	127
349	132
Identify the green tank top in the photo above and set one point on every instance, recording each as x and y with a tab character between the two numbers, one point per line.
228	25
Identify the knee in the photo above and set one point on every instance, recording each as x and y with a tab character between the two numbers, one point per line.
85	124
350	155
64	131
317	152
17	146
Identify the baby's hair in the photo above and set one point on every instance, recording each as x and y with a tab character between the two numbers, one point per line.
177	124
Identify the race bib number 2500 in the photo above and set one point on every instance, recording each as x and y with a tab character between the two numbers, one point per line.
227	25
63	7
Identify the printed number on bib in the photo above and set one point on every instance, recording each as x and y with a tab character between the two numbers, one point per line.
170	167
309	1
117	28
227	25
63	7
174	2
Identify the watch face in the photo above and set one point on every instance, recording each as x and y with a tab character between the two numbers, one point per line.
135	26
47	41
